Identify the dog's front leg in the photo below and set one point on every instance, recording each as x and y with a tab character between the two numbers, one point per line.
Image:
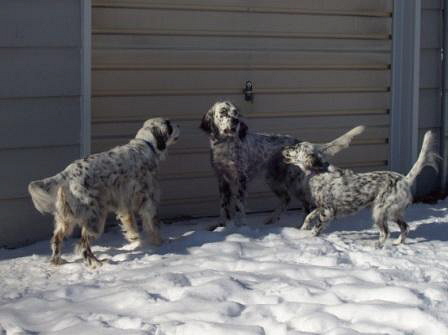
240	202
309	219
322	216
227	203
151	222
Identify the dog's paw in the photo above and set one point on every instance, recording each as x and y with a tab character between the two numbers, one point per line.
93	262
57	261
315	232
215	226
271	221
156	241
399	241
132	245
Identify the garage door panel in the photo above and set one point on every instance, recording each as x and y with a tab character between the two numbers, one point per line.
356	7
225	60
154	21
164	82
108	135
120	41
109	109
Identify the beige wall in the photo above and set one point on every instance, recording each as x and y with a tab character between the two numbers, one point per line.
40	89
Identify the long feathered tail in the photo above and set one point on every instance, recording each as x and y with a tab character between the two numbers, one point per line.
332	148
427	157
44	192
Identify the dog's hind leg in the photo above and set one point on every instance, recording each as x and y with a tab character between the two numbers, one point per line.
92	227
84	248
56	243
404	231
129	227
284	201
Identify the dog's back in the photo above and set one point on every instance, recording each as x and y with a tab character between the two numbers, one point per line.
259	149
347	192
90	177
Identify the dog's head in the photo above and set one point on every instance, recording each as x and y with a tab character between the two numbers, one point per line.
159	132
223	120
307	157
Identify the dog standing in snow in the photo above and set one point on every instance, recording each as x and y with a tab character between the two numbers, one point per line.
238	156
339	192
122	180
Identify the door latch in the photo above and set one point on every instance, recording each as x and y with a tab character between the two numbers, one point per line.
248	91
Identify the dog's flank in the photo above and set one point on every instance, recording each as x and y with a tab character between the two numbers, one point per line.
341	192
122	180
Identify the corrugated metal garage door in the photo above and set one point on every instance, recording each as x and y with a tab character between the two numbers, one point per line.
319	67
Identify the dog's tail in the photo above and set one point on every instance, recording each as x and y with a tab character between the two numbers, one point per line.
427	157
44	192
332	148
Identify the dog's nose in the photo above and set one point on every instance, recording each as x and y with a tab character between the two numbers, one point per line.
323	166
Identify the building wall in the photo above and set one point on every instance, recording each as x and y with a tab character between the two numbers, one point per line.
430	103
40	104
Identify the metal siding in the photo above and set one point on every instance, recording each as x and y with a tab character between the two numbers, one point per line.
21	223
40	23
319	68
430	84
39	122
40	92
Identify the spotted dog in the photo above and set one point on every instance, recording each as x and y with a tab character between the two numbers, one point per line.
338	192
238	156
122	180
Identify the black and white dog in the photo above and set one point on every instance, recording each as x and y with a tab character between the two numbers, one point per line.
338	192
122	180
238	156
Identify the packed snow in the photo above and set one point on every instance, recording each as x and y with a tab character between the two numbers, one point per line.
252	280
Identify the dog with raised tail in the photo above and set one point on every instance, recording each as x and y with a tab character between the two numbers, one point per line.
338	192
122	180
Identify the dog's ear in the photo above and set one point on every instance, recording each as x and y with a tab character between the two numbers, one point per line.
160	138
242	131
206	123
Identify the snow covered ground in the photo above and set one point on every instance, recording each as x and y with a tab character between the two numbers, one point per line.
254	280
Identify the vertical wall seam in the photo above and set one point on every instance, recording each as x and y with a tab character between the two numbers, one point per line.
86	54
